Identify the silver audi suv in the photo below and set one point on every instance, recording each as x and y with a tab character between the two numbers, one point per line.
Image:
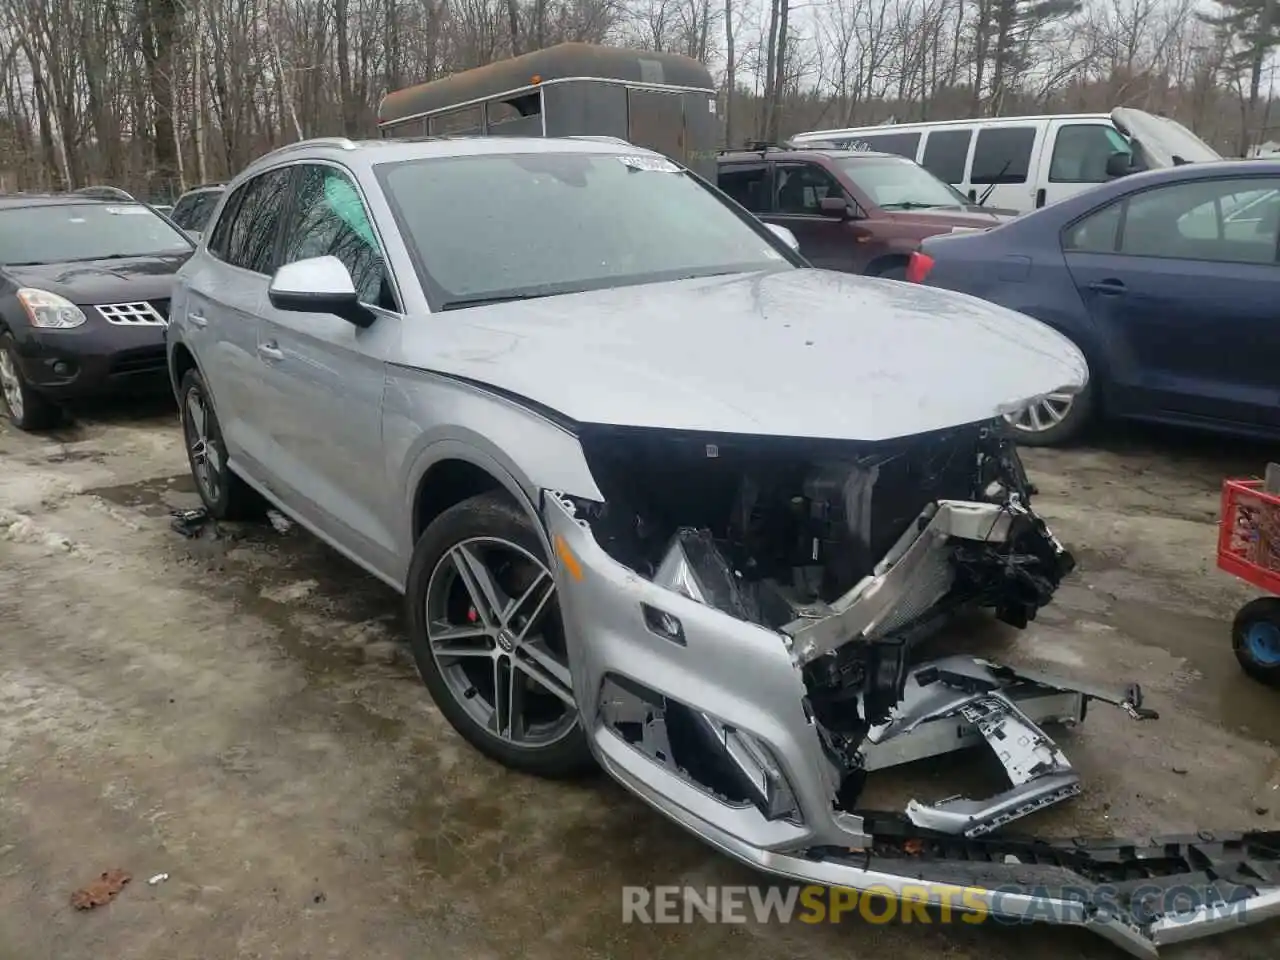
661	497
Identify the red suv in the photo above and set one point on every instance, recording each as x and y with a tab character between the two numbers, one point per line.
851	210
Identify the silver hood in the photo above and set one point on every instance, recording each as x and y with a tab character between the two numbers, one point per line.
798	353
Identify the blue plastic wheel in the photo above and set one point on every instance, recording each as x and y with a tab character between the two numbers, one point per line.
1255	635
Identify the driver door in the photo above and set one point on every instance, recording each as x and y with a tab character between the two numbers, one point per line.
826	242
327	376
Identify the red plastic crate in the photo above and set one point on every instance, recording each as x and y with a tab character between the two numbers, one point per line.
1249	534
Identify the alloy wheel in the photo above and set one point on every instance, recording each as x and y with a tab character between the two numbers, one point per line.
1044	414
494	630
206	458
10	385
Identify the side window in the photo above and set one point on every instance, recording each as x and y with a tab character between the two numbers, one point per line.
221	235
945	153
1096	233
746	183
1225	221
1080	153
181	213
800	188
329	219
903	144
1002	154
252	238
206	203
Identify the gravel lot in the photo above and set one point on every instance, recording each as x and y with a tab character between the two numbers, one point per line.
241	714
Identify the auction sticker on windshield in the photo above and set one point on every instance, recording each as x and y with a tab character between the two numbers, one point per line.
652	164
134	211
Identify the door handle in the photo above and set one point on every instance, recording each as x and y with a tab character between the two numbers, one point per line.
198	319
1108	287
270	351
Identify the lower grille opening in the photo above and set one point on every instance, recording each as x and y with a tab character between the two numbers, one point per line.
143	360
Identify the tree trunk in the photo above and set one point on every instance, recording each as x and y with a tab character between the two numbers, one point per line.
159	33
730	73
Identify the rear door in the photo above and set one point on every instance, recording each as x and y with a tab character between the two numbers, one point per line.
1181	280
222	295
323	377
1074	158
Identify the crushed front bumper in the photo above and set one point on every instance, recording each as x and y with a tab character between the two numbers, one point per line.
634	645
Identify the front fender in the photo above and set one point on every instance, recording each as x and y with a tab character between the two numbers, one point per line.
429	418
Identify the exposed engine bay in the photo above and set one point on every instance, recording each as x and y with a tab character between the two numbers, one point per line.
852	552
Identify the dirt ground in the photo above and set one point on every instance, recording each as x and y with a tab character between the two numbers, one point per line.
241	714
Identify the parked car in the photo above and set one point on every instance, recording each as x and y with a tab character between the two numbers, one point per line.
604	457
84	296
1166	280
853	211
196	206
1023	163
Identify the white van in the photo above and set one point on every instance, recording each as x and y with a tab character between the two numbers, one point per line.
1016	163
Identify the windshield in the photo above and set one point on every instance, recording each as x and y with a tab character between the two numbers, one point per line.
65	232
900	184
522	225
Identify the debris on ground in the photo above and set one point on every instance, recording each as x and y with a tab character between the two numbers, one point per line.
158	878
189	523
278	520
101	890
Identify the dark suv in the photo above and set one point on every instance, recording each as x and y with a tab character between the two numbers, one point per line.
850	210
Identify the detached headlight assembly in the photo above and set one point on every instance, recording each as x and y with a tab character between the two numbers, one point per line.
48	311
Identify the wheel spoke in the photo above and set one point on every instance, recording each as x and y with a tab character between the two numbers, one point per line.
195	413
484	593
508	700
1055	414
545	670
451	640
524	613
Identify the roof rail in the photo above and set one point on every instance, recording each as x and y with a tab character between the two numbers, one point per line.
342	143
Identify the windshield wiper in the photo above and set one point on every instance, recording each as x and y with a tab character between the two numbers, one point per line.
463	302
982	201
909	205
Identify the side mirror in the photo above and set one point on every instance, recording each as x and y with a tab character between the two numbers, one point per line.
836	207
785	235
1119	164
318	285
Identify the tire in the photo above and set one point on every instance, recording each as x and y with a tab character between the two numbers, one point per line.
491	530
1255	637
26	409
894	273
1078	416
223	494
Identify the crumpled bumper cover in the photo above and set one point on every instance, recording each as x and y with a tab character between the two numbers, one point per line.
1141	894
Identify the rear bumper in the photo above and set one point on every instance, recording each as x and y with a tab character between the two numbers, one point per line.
635	644
92	360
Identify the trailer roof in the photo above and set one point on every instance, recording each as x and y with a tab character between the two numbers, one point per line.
561	62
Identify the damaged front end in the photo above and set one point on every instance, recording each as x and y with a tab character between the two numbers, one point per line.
742	614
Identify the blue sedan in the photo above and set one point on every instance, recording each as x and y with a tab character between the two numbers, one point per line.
1169	283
